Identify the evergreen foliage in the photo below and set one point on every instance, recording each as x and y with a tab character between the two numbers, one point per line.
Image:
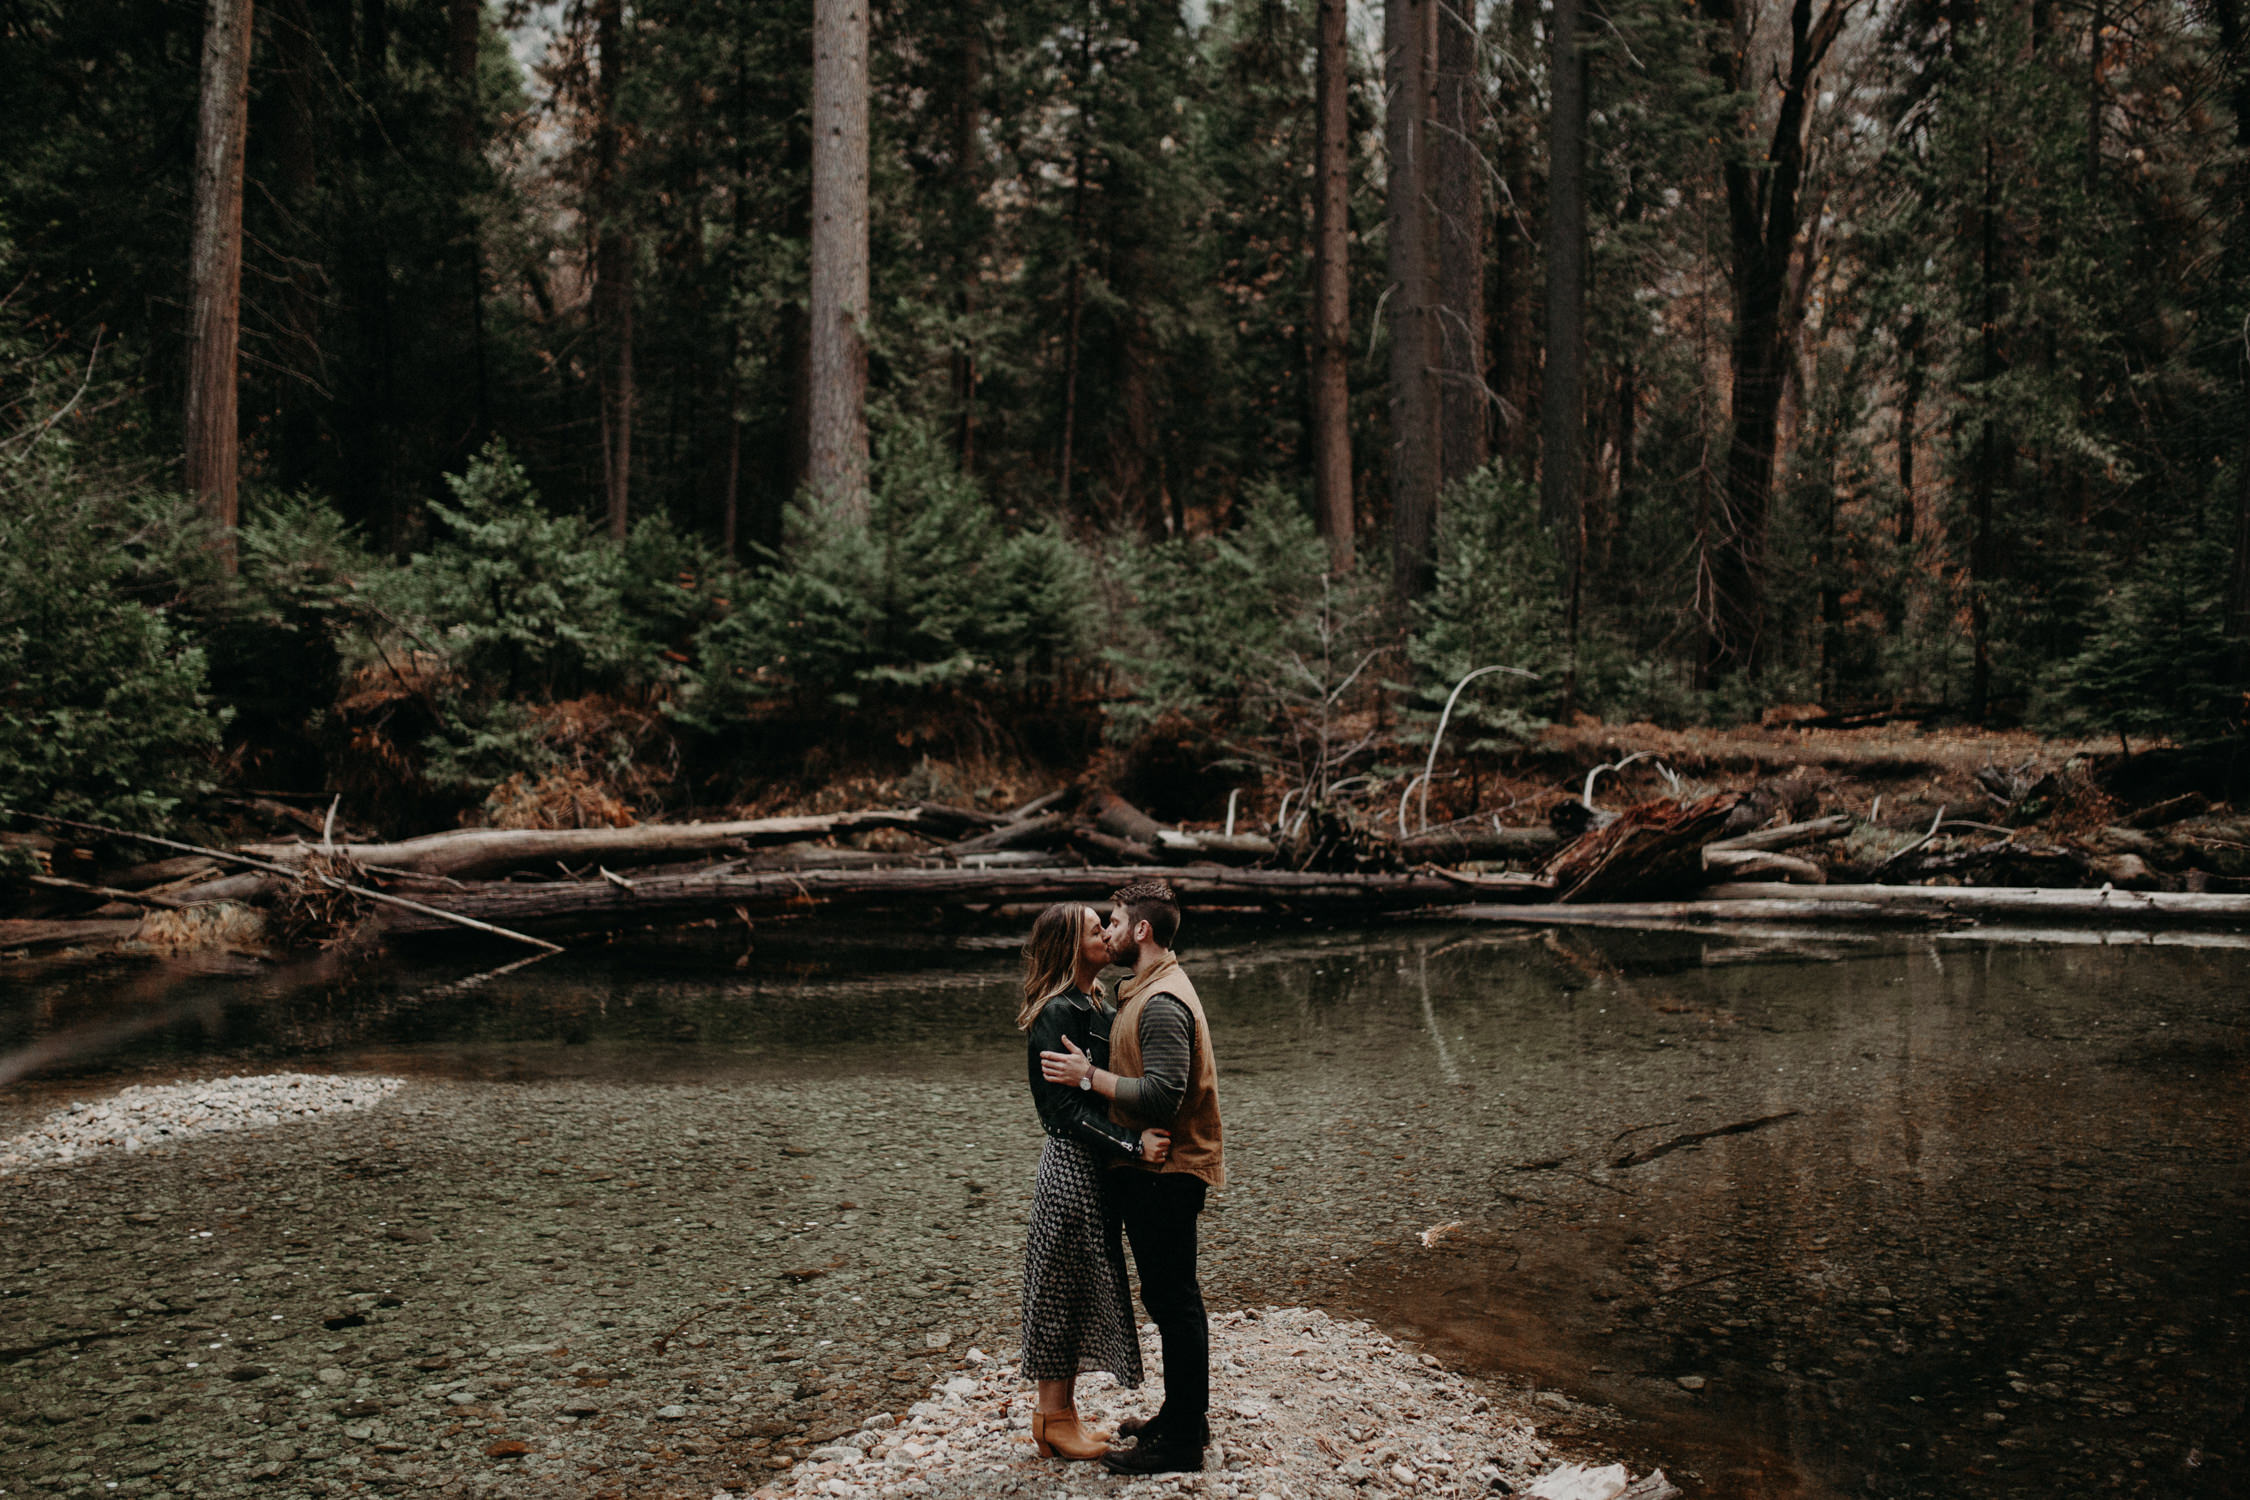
1496	601
932	597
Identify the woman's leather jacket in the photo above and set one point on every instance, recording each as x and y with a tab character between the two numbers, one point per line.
1069	1113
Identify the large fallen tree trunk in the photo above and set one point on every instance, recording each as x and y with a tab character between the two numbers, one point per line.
469	853
1723	905
587	906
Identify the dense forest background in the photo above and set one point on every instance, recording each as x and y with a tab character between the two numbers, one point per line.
1232	379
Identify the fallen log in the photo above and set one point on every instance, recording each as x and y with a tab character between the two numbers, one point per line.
16	932
1178	844
1790	835
1751	864
474	852
1027	833
1456	846
1120	819
584	906
1653	849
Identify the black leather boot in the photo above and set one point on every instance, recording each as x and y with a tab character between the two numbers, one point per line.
1160	1451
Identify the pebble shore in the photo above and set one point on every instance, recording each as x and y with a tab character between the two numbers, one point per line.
1309	1407
146	1115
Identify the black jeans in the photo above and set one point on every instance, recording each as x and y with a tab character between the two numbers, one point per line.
1158	1211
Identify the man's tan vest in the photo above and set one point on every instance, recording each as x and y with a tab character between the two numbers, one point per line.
1195	1130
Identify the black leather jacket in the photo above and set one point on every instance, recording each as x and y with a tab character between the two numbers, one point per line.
1073	1114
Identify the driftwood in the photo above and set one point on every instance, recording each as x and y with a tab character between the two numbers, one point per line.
471	852
591	905
1653	849
1697	1138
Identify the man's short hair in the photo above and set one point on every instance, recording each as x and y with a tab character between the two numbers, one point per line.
1151	901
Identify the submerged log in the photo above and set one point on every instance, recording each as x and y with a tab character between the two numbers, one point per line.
1654	849
585	906
471	852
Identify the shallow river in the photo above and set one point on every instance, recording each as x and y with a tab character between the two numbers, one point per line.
1977	1229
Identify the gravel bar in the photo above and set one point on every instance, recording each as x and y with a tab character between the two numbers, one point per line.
575	1287
145	1115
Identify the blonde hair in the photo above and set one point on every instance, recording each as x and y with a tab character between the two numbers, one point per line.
1050	957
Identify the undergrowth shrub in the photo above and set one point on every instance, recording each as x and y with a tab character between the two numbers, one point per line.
929	598
105	708
1202	623
2158	661
522	603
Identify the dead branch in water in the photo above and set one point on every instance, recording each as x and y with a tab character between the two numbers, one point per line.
1696	1137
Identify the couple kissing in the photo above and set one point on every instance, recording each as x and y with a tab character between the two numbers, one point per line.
1128	1095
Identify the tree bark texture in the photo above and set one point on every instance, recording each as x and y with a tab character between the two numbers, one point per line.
1409	35
1456	134
215	269
1562	399
1764	212
1332	332
613	271
838	459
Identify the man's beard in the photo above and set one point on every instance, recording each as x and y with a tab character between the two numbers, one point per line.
1128	954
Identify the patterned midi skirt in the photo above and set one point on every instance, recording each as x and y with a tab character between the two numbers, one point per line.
1077	1313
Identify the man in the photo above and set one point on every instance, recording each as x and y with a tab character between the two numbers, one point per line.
1162	1076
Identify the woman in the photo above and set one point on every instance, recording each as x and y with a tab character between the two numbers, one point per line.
1076	1314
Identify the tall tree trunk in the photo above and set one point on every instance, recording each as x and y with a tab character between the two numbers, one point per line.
1562	398
1909	422
1459	191
1512	238
2234	44
1764	219
1408	38
613	271
839	255
464	52
1628	451
215	269
1986	479
1331	389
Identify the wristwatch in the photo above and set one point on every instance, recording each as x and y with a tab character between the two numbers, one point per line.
1086	1080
